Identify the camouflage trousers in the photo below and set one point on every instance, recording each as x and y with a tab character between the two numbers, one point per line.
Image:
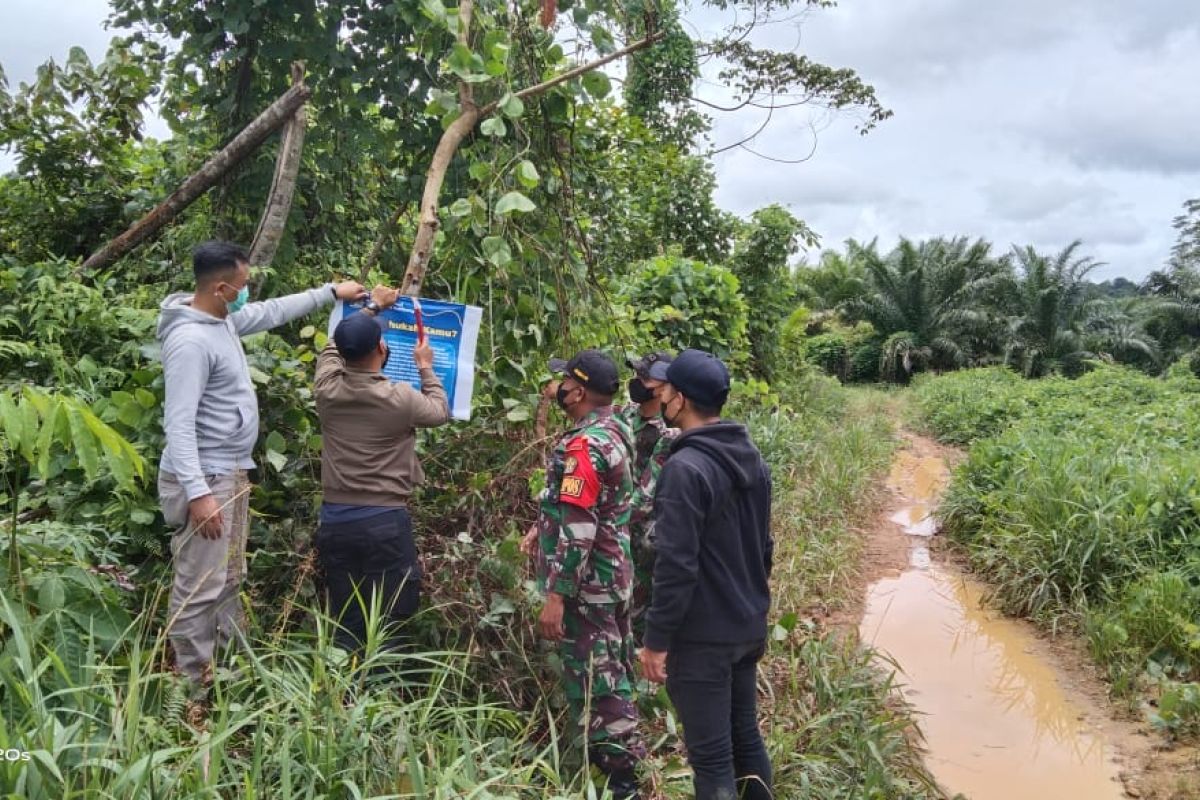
643	582
597	659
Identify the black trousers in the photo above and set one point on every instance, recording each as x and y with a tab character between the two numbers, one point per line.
714	691
367	562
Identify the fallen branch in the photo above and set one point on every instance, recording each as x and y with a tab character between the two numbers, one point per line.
245	143
273	223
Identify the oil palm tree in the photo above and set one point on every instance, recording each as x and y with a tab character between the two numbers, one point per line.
835	279
1060	322
931	302
1172	308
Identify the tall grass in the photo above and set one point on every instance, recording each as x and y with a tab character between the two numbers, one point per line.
836	727
1080	501
290	720
84	690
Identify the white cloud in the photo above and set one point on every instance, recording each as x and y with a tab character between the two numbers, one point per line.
1021	122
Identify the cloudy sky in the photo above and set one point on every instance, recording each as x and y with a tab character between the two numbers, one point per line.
1021	121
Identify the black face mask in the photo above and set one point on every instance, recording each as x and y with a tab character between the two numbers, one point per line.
561	397
638	392
386	355
666	418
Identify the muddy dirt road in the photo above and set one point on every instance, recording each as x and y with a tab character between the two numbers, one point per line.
1006	712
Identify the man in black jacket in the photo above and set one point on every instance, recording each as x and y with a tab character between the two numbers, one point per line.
707	625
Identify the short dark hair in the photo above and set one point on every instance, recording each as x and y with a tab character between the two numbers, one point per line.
211	259
704	411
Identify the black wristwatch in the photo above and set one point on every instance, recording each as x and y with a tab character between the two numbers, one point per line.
372	306
333	291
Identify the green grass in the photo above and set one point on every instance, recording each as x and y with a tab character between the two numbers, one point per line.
477	713
836	726
1080	501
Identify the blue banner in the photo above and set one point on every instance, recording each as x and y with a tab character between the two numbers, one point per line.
452	331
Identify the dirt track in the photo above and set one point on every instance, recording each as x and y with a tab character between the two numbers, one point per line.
1147	769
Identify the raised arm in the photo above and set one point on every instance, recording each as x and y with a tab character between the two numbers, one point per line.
267	314
431	407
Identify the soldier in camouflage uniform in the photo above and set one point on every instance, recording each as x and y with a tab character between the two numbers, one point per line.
581	542
652	443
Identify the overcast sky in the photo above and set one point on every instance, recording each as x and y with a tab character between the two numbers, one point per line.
1021	121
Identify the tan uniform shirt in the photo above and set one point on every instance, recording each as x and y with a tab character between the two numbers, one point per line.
368	431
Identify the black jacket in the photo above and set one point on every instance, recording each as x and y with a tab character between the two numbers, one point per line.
713	546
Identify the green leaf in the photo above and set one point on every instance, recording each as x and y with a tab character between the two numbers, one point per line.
603	40
514	201
493	126
83	443
45	440
597	84
258	376
518	414
52	595
527	174
275	441
307	332
496	250
277	460
460	207
479	170
145	398
512	106
434	10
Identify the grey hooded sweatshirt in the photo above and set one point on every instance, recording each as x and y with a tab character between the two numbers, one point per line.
210	416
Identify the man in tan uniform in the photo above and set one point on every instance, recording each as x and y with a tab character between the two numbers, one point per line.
369	468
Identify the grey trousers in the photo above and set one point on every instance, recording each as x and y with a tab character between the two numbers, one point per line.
205	609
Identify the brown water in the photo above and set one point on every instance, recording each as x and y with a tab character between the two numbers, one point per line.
996	719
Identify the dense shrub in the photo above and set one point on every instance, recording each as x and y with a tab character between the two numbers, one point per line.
830	352
678	303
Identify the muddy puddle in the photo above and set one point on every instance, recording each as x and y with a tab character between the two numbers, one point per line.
997	722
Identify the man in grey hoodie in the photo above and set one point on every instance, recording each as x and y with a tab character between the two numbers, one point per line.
211	425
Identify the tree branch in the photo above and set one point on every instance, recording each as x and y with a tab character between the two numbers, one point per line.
453	136
582	69
273	223
246	142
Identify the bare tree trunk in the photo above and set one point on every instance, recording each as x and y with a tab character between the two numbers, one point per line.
428	223
203	179
273	222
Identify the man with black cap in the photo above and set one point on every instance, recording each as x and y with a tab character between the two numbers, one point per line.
581	542
707	625
652	443
369	468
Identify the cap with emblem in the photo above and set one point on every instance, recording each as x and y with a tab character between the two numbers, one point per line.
592	368
641	366
357	335
699	376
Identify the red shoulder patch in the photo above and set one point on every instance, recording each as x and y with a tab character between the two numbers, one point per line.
580	484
